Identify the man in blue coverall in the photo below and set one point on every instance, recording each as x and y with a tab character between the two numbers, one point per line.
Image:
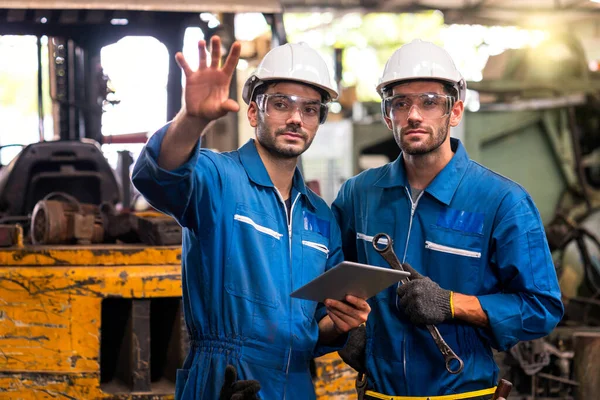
252	231
481	268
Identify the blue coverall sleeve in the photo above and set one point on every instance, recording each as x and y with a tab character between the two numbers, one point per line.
529	304
335	257
179	192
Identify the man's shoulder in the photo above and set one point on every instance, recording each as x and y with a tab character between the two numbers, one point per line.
368	177
231	158
483	184
492	179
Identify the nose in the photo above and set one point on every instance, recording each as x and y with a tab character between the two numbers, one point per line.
295	117
414	115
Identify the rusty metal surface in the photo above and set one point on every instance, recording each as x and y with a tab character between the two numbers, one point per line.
335	379
68	221
11	235
60	386
50	314
100	255
51	318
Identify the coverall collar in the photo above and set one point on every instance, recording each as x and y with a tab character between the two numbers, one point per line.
443	185
257	173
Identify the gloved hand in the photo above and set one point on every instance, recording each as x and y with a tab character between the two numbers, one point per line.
238	390
353	353
423	300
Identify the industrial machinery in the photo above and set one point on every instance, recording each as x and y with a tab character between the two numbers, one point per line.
539	124
89	290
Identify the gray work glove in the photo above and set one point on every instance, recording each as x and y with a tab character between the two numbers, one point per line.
353	352
238	390
423	300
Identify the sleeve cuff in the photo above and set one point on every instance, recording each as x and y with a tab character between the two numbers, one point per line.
503	313
152	151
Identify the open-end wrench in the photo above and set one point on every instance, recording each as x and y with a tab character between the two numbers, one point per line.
387	252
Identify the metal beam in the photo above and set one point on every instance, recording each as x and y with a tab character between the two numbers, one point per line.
233	6
481	3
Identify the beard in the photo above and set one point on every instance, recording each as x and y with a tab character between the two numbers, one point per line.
267	137
433	141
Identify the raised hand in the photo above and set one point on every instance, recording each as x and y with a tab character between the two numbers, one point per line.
207	88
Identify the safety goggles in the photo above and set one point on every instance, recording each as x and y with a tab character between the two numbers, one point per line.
282	106
429	105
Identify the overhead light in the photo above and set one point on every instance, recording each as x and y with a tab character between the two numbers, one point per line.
595	1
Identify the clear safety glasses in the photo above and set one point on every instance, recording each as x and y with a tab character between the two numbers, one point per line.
429	105
282	106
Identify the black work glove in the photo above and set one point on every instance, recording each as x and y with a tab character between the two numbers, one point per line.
353	353
423	300
238	390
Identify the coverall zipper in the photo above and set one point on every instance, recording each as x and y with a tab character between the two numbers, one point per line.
413	207
289	221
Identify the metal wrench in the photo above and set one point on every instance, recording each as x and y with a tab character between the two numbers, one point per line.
387	252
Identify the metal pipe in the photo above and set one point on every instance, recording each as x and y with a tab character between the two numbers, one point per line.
40	91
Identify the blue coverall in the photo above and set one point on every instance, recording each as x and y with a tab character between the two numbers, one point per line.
473	232
240	262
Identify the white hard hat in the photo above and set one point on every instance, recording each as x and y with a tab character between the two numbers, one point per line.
421	60
291	62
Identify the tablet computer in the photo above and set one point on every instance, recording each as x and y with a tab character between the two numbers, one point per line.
360	280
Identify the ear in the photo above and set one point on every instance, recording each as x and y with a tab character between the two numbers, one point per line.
456	113
253	114
388	122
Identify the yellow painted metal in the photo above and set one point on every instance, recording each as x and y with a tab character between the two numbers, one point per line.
335	379
50	313
50	317
35	256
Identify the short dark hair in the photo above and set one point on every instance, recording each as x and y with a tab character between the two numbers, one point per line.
262	88
449	89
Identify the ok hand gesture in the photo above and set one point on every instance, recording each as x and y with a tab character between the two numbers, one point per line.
207	88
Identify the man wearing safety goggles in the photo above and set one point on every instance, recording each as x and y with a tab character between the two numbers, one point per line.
252	231
481	270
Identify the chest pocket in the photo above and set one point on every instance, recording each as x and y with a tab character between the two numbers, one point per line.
315	251
256	251
453	258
